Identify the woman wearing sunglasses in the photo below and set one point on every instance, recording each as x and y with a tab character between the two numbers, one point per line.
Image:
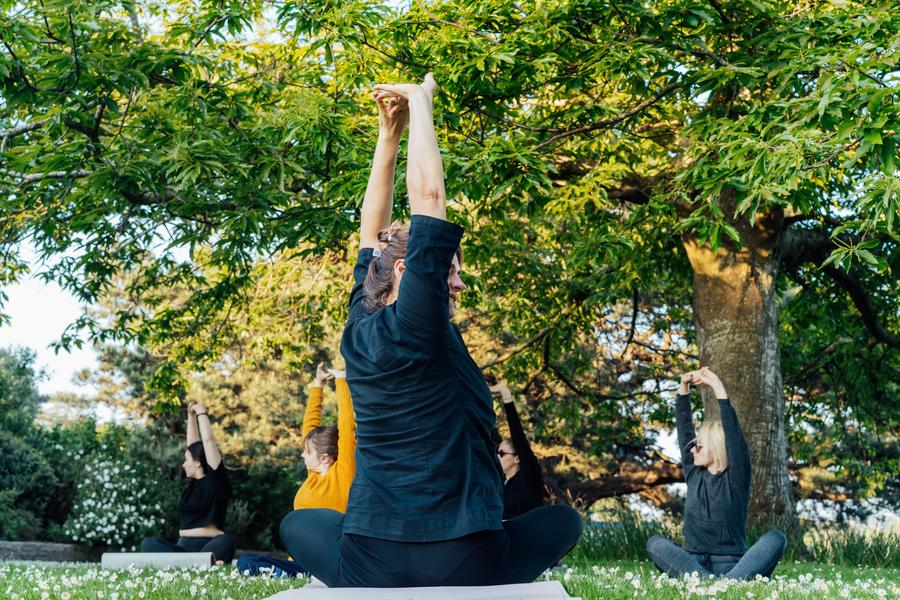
716	463
523	489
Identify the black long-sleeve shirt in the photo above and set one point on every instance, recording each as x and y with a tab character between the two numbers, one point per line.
426	466
715	512
523	491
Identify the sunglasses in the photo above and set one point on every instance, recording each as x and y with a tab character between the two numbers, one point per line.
502	453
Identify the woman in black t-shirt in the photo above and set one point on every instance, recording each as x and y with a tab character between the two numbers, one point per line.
523	489
204	500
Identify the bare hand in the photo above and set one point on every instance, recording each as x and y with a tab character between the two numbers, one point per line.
502	390
197	408
323	374
393	114
335	374
709	378
691	378
687	380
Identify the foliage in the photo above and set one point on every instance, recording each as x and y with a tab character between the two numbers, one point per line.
19	397
586	144
17	523
28	488
112	507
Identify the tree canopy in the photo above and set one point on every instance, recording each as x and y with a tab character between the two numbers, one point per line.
643	186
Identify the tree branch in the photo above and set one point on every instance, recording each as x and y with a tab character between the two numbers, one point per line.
832	156
614	120
536	338
803	246
860	298
635	303
630	478
27	180
21	129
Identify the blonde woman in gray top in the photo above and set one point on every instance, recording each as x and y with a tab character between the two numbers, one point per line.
717	470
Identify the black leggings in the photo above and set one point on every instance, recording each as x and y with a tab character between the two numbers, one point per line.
222	546
525	547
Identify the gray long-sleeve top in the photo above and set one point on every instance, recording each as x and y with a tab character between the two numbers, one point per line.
715	512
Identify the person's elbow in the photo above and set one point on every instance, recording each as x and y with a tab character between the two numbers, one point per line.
428	200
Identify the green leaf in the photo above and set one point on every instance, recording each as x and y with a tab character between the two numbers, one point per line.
868	257
872	136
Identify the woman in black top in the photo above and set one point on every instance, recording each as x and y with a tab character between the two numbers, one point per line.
425	507
524	486
204	499
717	471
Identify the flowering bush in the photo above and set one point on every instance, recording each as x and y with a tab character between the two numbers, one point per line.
111	506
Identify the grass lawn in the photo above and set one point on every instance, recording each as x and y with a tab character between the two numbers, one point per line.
607	580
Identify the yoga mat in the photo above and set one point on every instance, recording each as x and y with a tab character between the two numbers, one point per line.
157	560
544	590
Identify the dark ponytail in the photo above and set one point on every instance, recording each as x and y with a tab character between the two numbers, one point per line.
380	277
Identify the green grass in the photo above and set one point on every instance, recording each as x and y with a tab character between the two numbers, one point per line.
590	580
618	580
45	581
625	535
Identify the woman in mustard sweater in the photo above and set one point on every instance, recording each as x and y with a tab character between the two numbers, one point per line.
328	453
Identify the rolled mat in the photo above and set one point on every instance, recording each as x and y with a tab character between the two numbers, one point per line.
156	560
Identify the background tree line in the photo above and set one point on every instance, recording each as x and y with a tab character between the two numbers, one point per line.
644	187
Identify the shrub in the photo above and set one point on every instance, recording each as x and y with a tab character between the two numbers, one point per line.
16	523
263	494
111	507
28	486
59	447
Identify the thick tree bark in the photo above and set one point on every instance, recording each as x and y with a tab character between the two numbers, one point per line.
736	319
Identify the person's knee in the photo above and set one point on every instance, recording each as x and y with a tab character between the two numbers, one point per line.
246	564
150	544
573	524
777	539
560	518
288	526
227	543
654	544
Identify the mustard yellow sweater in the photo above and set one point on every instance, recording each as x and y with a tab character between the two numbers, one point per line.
331	489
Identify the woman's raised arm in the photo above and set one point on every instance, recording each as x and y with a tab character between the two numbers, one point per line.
375	215
424	171
210	448
193	433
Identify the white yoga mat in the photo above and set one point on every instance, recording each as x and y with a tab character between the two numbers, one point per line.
157	560
545	590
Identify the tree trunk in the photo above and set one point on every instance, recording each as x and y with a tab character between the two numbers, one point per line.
736	319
